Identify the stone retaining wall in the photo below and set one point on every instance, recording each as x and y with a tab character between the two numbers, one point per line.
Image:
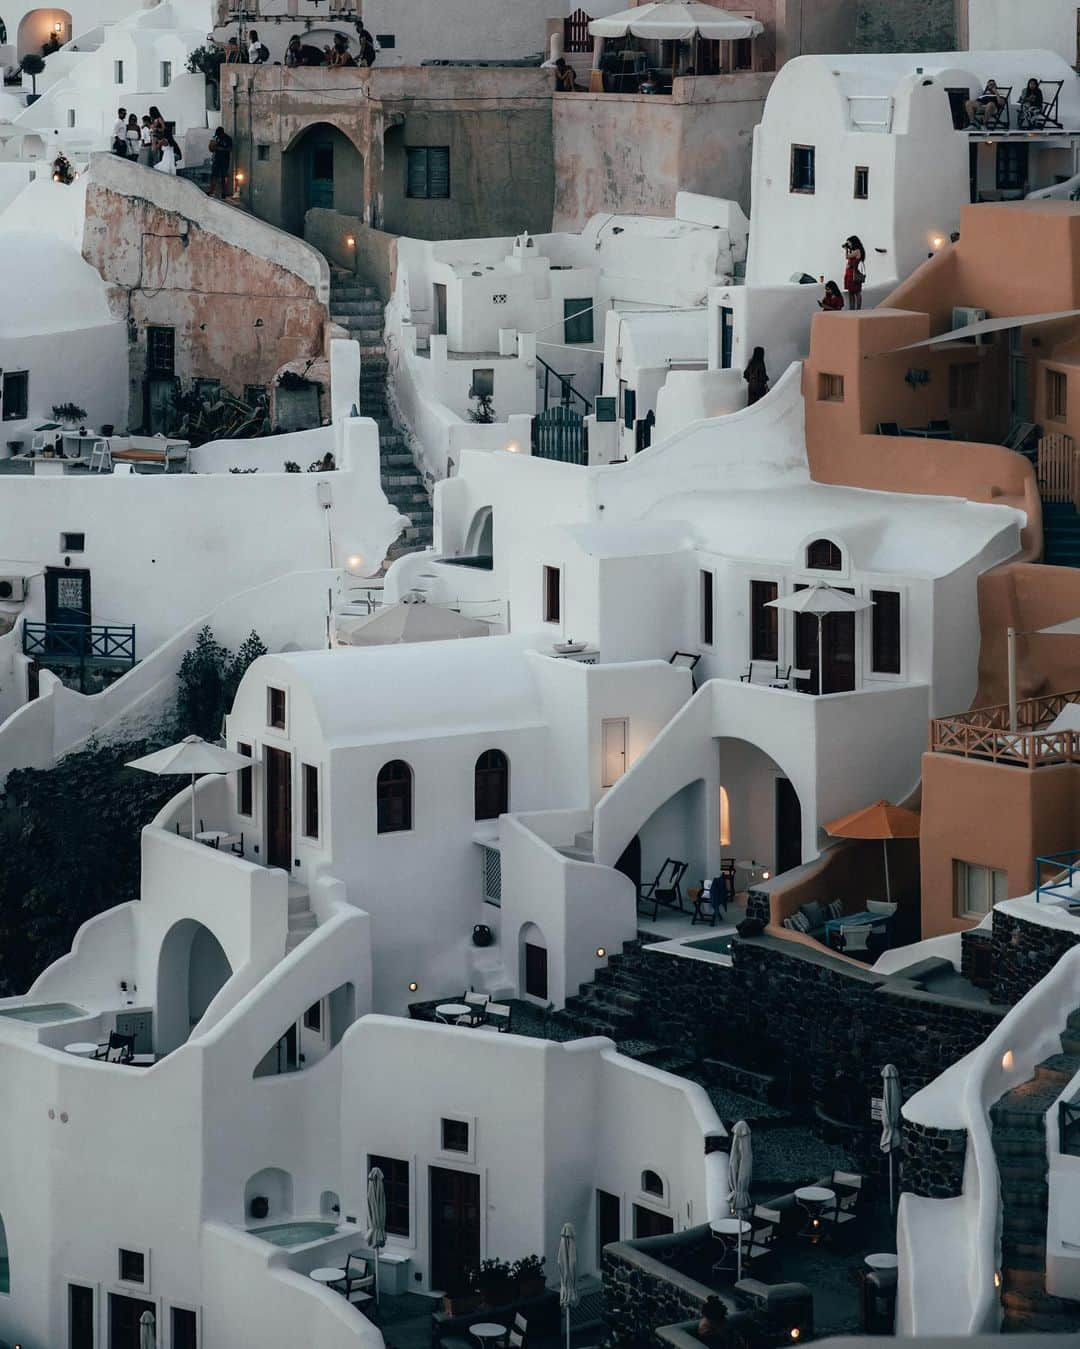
932	1160
640	1293
1024	953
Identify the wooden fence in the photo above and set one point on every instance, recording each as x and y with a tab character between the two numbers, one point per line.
1059	468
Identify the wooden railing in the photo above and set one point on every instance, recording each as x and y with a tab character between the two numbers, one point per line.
984	733
81	643
1059	468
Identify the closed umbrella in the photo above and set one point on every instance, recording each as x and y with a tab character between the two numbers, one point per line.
376	1211
677	20
568	1290
820	599
890	1120
740	1173
147	1331
882	820
193	756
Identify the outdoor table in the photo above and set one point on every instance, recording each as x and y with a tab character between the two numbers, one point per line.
813	1199
727	1232
853	920
214	838
487	1330
144	1060
882	1260
83	1049
74	444
447	1010
328	1274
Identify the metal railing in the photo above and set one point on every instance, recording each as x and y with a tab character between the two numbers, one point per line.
1069	1127
861	117
1064	868
80	643
567	392
984	733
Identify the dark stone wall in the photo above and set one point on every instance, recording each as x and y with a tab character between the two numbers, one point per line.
905	26
932	1160
639	1295
1024	953
974	942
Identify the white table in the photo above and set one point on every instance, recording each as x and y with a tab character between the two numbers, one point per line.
144	1060
214	838
446	1010
729	1227
83	1049
328	1274
487	1330
882	1260
813	1198
75	445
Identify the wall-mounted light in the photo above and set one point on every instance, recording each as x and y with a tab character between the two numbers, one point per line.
601	952
58	27
765	875
514	447
997	1278
240	176
1007	1060
357	560
413	986
796	1333
938	241
350	241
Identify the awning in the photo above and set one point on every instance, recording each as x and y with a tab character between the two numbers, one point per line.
1070	628
985	326
677	20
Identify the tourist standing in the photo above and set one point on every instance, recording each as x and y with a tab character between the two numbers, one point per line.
171	157
146	144
757	377
119	132
854	270
221	162
133	137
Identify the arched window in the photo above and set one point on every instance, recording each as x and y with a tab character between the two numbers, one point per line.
652	1183
394	796
492	785
823	555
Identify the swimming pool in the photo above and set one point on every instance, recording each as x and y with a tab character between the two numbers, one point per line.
722	945
44	1012
293	1234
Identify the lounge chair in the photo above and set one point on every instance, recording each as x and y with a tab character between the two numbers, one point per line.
518	1333
666	889
357	1277
847	1186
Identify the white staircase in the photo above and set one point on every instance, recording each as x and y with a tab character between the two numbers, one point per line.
302	922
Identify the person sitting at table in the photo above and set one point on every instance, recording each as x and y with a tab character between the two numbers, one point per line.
832	299
987	105
1031	105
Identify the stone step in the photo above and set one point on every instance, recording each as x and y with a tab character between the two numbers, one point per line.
1020	1146
1025	1195
1058	1069
395	460
340	305
1026	1223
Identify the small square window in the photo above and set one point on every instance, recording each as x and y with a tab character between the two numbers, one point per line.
275	708
862	182
313	1017
132	1266
483	384
387	41
72	543
830	388
578	320
455	1135
1056	396
262	153
802	168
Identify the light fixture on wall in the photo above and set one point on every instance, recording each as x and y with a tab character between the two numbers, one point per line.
601	952
239	176
938	241
355	562
765	875
997	1278
350	241
413	986
1007	1060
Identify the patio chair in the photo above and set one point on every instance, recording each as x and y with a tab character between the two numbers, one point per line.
1047	115
853	937
998	117
477	1004
100	457
666	889
497	1017
711	898
358	1279
939	429
117	1049
888	428
518	1332
761	672
847	1186
764	1230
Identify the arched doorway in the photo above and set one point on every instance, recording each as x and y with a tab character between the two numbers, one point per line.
761	812
532	963
38	28
479	540
192	969
321	168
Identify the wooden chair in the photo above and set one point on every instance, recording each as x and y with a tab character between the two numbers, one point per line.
666	889
711	897
497	1017
761	672
1047	115
477	1004
518	1332
847	1186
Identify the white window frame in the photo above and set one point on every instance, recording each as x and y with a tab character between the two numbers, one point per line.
165	74
278	730
449	1155
646	1199
986	874
125	1286
254	747
880	676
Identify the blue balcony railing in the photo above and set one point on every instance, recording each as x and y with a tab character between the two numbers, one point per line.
79	643
1060	870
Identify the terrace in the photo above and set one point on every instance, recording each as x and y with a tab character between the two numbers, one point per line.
1047	732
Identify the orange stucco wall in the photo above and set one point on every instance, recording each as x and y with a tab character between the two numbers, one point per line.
1027	597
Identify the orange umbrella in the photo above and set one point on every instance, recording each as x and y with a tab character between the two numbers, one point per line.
882	820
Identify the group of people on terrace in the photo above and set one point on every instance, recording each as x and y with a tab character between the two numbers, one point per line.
300	53
147	140
985	109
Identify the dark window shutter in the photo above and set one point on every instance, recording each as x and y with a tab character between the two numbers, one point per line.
439	171
629	407
417	172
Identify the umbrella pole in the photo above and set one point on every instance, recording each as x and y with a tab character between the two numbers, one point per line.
892	1201
885	850
568	1326
820	656
193	807
738	1246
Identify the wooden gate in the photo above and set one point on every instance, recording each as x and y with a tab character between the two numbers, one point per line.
559	433
1058	470
576	33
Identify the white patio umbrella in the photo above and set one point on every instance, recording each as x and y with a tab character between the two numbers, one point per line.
147	1331
891	1102
677	20
820	599
740	1172
1070	628
410	620
193	756
568	1289
376	1216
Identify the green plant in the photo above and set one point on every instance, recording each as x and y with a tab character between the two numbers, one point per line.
206	61
327	464
208	678
68	412
291	466
528	1267
483	413
32	65
289	379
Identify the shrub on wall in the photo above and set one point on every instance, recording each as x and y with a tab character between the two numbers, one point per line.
209	676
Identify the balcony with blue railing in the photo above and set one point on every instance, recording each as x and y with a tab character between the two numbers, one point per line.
1057	876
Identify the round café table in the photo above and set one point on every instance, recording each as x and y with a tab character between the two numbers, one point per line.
487	1330
882	1260
82	1049
448	1011
813	1199
328	1274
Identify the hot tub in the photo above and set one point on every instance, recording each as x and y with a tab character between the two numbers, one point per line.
44	1012
294	1234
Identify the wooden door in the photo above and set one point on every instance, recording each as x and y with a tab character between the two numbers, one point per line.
455	1227
124	1313
649	1223
838	649
608	1221
80	1316
613	734
536	971
67	596
278	808
788	827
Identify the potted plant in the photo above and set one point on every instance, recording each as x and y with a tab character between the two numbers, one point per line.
494	1282
32	65
462	1297
528	1274
69	415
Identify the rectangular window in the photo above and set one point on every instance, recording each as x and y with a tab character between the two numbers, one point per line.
395	1172
629	404
311	800
763	621
72	543
976	889
483	384
80	1315
552	594
577	320
802	168
862	182
386	41
830	388
183	1329
275	708
262	153
15	398
166	74
742	54
71	117
161	351
964	386
1057	401
118	72
313	1017
244	796
708	597
132	1266
455	1135
1012	166
885	640
427	171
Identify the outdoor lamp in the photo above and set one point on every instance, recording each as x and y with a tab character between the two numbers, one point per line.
796	1333
355	561
1007	1060
413	986
765	875
240	176
350	242
601	952
937	241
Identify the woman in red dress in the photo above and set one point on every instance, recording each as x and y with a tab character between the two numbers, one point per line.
854	270
832	298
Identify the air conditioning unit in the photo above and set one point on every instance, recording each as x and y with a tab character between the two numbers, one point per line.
963	316
13	588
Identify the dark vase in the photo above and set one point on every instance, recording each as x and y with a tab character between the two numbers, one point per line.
482	935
